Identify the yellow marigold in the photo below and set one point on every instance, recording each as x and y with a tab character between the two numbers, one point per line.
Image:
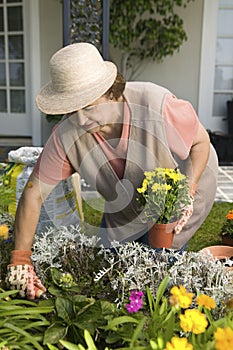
160	187
229	215
206	301
148	175
144	186
223	338
175	176
4	231
181	296
156	187
178	344
193	321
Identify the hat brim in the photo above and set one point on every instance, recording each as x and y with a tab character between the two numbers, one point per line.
51	102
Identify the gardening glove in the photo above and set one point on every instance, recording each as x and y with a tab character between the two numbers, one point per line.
187	211
21	275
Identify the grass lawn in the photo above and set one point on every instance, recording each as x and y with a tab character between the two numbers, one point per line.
208	234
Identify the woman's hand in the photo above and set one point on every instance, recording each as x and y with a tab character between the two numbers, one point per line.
21	275
187	213
24	279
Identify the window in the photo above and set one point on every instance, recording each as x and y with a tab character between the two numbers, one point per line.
223	83
12	57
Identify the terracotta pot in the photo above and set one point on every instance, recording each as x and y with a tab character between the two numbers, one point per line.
227	240
218	251
161	235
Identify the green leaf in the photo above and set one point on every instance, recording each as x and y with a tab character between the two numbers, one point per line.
89	341
137	332
56	291
54	333
25	311
18	302
120	320
3	343
6	294
52	347
65	309
81	301
108	307
160	292
92	312
75	333
169	322
37	324
30	338
56	275
71	346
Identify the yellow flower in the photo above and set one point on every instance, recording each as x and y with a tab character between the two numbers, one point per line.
156	187
178	344
223	338
206	301
174	177
4	230
164	193
160	187
148	175
193	321
181	296
144	186
168	187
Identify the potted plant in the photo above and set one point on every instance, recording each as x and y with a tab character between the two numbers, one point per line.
164	194
227	229
224	251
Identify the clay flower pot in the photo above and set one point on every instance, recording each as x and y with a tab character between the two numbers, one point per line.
227	240
161	235
218	251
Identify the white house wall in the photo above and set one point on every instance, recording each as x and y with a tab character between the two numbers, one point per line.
180	72
50	15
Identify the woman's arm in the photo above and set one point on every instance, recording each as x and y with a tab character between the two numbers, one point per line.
28	212
199	154
20	271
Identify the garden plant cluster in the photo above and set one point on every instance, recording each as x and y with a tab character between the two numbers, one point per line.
126	297
164	193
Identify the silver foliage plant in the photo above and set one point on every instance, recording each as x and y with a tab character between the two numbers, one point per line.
138	266
50	246
133	266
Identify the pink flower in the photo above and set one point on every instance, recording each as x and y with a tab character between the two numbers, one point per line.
135	294
136	302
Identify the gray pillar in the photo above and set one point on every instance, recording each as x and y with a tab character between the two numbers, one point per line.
66	22
105	37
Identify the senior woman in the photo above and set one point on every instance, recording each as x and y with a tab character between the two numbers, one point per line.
111	132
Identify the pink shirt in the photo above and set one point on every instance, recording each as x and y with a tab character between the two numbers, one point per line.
181	125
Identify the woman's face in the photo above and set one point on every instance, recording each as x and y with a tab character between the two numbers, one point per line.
100	113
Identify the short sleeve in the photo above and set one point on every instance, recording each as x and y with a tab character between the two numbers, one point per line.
181	125
53	164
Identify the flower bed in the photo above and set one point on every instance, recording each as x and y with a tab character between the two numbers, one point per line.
129	297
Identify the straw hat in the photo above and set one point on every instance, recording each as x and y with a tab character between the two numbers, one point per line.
79	77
